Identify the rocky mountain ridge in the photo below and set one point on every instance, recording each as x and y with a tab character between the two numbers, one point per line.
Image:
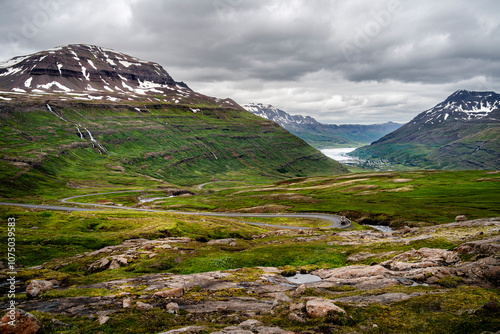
89	72
463	105
278	116
322	135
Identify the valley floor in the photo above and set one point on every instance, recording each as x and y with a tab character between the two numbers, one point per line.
438	279
216	258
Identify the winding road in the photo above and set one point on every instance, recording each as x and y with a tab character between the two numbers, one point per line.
335	220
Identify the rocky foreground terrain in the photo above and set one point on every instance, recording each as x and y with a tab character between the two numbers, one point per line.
371	294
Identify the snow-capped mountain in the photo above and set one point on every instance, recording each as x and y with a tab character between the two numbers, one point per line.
463	105
276	115
463	131
68	107
322	135
90	72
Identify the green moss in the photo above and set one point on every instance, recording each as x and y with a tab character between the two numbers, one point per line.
76	292
342	288
448	312
450	281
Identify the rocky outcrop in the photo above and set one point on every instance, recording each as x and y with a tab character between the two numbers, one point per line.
143	306
128	251
20	322
485	247
174	293
36	287
252	326
186	330
483	272
112	262
422	258
224	296
317	308
385	298
222	241
423	265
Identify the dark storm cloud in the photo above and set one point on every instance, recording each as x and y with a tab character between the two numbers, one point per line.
341	61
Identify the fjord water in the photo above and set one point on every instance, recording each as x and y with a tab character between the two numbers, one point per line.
339	154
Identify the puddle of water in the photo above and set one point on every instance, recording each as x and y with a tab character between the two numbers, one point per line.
303	278
272	280
382	228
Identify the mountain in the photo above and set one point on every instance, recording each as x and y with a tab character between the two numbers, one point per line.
93	73
462	132
322	135
81	115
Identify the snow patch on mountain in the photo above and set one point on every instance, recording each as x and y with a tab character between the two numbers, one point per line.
27	83
462	105
54	83
12	62
276	115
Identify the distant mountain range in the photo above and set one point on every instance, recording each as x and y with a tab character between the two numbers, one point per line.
80	114
462	132
322	135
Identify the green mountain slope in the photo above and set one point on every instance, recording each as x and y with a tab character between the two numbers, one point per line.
463	132
81	116
167	142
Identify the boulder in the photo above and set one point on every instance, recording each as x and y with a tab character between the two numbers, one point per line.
358	257
295	317
110	262
173	308
127	303
38	286
299	291
174	293
317	308
280	297
250	324
298	307
55	323
102	319
222	241
24	323
143	306
460	218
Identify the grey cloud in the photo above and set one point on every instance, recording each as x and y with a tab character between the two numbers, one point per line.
288	53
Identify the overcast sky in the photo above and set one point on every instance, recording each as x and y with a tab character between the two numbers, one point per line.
356	61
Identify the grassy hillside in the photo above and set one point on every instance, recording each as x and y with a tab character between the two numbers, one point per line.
186	145
381	198
455	145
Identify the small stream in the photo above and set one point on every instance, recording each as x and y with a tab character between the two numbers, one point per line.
152	199
382	228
